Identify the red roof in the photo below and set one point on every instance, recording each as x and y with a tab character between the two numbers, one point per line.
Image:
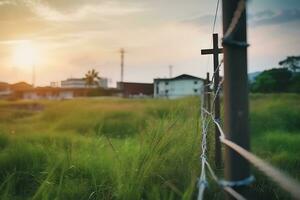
4	86
20	86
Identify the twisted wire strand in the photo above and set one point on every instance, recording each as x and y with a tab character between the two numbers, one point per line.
202	184
214	74
228	189
285	181
236	17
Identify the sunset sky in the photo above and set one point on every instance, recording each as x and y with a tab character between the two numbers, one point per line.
65	38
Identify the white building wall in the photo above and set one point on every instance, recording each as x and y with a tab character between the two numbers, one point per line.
80	83
48	95
177	88
73	83
5	92
66	95
30	95
103	82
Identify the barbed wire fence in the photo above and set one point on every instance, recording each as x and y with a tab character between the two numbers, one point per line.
208	117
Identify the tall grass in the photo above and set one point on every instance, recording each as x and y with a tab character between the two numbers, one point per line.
129	149
107	149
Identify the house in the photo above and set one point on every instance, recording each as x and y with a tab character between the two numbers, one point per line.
49	93
23	90
81	83
4	90
58	93
130	89
20	86
180	86
17	89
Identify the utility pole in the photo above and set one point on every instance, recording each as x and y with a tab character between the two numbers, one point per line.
170	71
215	51
122	51
33	75
235	91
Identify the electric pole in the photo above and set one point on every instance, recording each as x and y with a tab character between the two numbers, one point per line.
170	71
122	51
33	75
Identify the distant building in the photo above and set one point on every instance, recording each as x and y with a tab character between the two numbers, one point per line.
5	90
23	90
180	86
56	93
20	86
17	89
49	93
135	90
54	84
80	83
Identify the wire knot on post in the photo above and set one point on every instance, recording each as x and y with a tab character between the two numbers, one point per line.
244	182
231	42
218	120
202	182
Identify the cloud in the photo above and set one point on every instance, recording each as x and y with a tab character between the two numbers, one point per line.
86	11
200	20
14	11
269	17
264	13
4	2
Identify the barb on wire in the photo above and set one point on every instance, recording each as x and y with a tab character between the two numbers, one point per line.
217	92
214	74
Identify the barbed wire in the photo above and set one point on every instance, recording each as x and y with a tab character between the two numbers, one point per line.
205	119
202	183
285	181
214	74
204	162
228	189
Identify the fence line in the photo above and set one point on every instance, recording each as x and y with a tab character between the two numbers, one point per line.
202	183
285	181
228	189
279	177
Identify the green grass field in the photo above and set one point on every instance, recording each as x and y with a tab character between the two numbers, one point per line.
130	149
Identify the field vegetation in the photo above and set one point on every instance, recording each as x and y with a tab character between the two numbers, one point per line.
130	149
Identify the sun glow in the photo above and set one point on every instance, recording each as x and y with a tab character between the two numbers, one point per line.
25	54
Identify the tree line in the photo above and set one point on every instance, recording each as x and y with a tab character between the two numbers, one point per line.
276	80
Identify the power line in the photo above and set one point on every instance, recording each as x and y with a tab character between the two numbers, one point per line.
215	18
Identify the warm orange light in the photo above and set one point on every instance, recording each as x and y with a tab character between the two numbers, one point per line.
25	54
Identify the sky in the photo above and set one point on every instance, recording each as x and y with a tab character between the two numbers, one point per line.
66	38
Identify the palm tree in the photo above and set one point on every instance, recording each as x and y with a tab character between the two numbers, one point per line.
91	78
291	62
